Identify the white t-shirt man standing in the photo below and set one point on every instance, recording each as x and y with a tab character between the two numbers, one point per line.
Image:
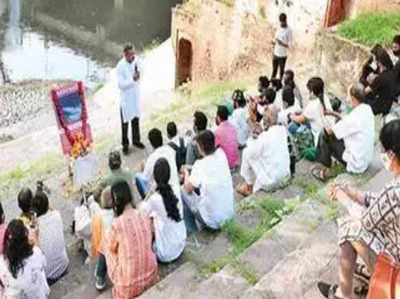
282	42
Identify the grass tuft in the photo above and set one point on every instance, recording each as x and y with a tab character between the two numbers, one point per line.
372	28
32	170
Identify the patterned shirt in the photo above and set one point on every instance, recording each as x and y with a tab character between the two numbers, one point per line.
382	218
132	265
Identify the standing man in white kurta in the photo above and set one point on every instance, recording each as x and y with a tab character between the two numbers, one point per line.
128	77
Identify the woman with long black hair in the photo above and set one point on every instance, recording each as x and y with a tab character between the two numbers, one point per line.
316	110
22	265
165	207
131	263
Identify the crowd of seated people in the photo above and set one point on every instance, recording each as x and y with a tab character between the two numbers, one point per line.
185	185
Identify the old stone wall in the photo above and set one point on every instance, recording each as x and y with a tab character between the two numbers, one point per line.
360	6
339	61
225	39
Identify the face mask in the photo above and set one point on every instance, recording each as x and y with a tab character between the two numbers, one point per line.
348	107
386	161
260	109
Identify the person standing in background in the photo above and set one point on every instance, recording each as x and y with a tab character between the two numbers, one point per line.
282	42
128	77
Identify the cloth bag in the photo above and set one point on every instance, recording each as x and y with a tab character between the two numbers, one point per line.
385	281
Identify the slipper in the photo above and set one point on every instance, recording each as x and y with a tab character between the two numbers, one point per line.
245	190
320	174
361	291
328	290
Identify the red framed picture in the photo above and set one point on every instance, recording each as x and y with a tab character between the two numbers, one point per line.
72	119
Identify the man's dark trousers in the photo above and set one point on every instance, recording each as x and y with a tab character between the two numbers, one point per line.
278	62
135	132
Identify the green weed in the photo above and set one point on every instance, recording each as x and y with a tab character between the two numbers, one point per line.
32	170
372	28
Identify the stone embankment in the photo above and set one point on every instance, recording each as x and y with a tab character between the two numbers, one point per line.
23	102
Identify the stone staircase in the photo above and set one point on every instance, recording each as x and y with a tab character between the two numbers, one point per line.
286	262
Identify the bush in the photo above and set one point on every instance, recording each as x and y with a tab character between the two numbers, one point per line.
373	28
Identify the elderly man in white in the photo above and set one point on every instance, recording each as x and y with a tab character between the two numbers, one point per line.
266	160
128	76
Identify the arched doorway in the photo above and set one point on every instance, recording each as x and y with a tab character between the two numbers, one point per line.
184	61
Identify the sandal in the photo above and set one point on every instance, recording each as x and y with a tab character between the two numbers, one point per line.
320	174
361	291
361	273
328	290
245	190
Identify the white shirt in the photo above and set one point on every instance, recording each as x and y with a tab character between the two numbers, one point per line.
268	156
285	35
31	280
315	115
129	89
52	244
170	236
213	177
284	112
357	129
239	121
177	140
168	153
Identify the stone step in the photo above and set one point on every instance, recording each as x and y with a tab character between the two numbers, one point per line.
315	260
85	291
227	283
284	238
176	285
185	278
207	253
301	269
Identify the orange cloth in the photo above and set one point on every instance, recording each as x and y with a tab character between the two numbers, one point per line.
97	236
131	263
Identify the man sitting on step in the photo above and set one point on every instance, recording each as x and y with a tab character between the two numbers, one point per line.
199	125
207	193
144	178
116	173
351	140
226	137
266	160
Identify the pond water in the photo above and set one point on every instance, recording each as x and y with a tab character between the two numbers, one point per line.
30	50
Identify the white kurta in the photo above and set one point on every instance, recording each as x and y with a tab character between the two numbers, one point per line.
266	160
129	90
239	121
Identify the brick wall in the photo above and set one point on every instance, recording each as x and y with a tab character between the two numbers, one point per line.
225	40
359	6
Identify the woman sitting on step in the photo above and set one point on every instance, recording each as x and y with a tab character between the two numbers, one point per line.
22	265
51	237
131	263
165	208
375	227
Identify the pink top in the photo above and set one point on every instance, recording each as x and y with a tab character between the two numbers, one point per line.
2	233
226	139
